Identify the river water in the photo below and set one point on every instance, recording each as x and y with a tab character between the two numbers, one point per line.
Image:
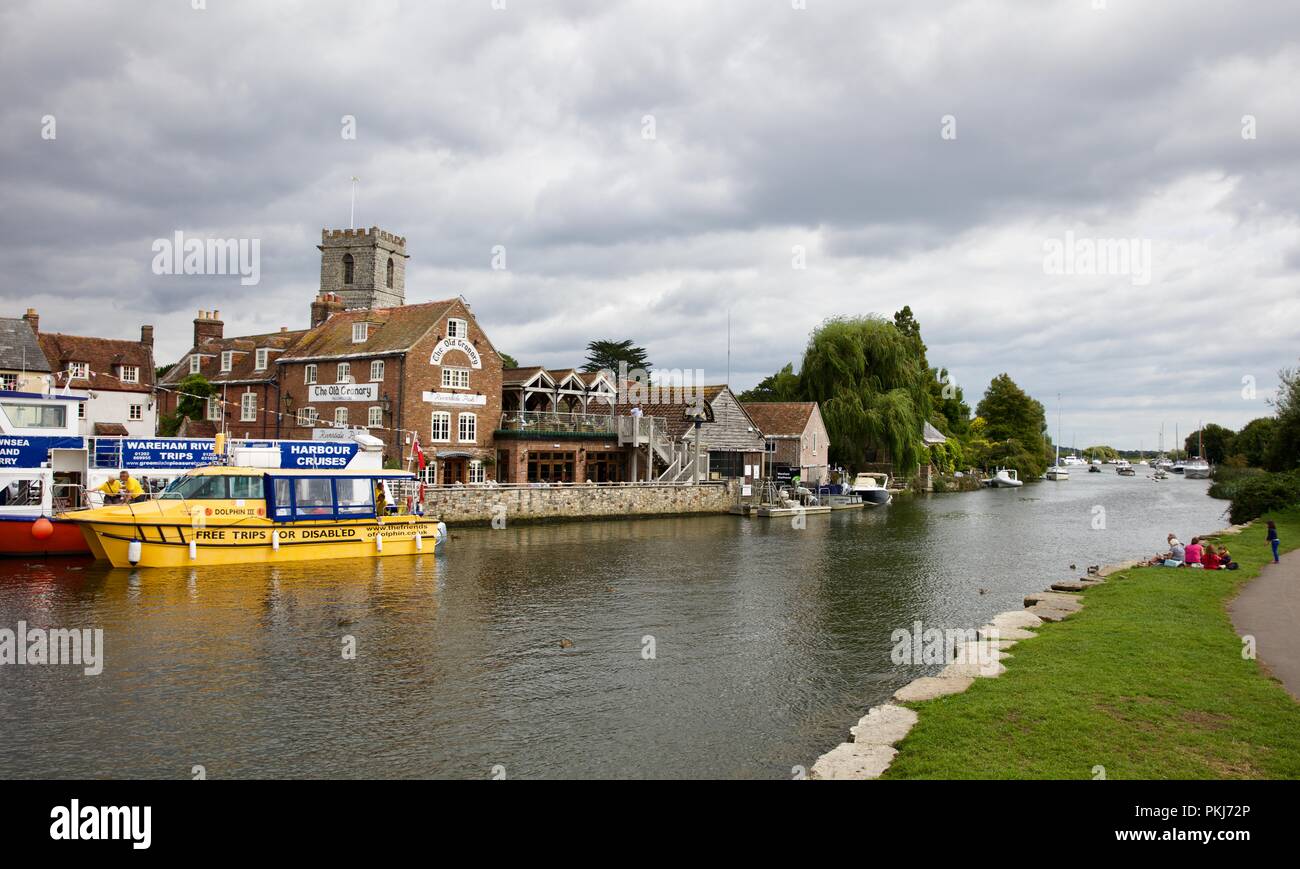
700	647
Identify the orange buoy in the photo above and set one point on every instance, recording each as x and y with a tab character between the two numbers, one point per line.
42	529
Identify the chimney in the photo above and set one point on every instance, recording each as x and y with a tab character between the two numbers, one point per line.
146	336
325	306
33	319
207	327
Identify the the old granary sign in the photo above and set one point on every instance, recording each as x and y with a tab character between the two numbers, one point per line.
461	344
344	392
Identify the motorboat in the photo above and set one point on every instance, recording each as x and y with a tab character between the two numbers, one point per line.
1125	469
1094	468
1005	478
1057	472
1197	469
873	489
1073	460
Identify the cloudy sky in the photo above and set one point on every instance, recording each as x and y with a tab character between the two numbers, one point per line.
649	166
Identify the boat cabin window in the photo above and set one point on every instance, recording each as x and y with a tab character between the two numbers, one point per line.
23	415
216	487
313	498
317	498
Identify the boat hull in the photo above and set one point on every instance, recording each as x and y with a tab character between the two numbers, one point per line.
162	545
17	538
876	497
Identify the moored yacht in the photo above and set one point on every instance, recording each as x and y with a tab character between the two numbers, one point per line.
873	489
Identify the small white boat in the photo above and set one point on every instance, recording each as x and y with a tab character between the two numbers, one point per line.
872	489
1057	472
1197	469
1006	478
1073	460
1124	469
1096	461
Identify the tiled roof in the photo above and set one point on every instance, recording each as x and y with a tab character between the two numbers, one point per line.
243	363
781	418
111	429
673	412
519	376
103	355
19	349
392	330
196	428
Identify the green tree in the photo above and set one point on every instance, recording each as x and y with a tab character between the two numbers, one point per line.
1214	439
1284	445
1014	427
194	392
606	353
1252	442
872	387
781	386
508	361
951	412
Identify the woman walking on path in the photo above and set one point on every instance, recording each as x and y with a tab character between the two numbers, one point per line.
1272	538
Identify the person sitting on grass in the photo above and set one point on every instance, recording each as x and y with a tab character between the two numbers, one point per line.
1172	558
1194	552
1211	560
1225	559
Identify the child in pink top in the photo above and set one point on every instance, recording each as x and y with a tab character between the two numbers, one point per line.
1194	550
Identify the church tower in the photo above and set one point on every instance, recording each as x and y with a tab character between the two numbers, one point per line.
366	268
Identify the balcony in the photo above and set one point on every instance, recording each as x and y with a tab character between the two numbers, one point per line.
538	424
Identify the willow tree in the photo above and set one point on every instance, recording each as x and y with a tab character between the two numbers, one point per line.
871	383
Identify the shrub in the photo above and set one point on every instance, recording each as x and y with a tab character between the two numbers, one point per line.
1228	477
1254	496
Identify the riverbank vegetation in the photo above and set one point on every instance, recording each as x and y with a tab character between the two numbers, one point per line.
1148	681
877	390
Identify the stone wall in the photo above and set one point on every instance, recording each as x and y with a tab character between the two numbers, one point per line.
474	505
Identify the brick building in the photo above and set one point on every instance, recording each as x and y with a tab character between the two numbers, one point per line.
796	437
243	370
116	376
427	369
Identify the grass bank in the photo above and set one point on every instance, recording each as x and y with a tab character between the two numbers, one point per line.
1147	681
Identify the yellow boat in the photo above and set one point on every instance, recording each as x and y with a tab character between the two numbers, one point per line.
239	515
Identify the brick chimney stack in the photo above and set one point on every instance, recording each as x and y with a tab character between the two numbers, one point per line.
207	327
325	306
146	336
33	319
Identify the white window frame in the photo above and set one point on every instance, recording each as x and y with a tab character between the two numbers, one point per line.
462	435
457	328
130	373
135	413
309	373
436	418
342	372
214	409
196	364
78	370
376	371
263	359
247	408
227	360
81	409
9	382
307	416
455	378
375	417
340	417
360	333
476	472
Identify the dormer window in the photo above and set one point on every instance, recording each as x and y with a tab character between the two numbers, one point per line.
79	370
227	360
130	374
360	332
196	362
457	328
262	356
348	268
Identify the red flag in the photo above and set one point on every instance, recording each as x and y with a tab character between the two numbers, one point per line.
419	453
